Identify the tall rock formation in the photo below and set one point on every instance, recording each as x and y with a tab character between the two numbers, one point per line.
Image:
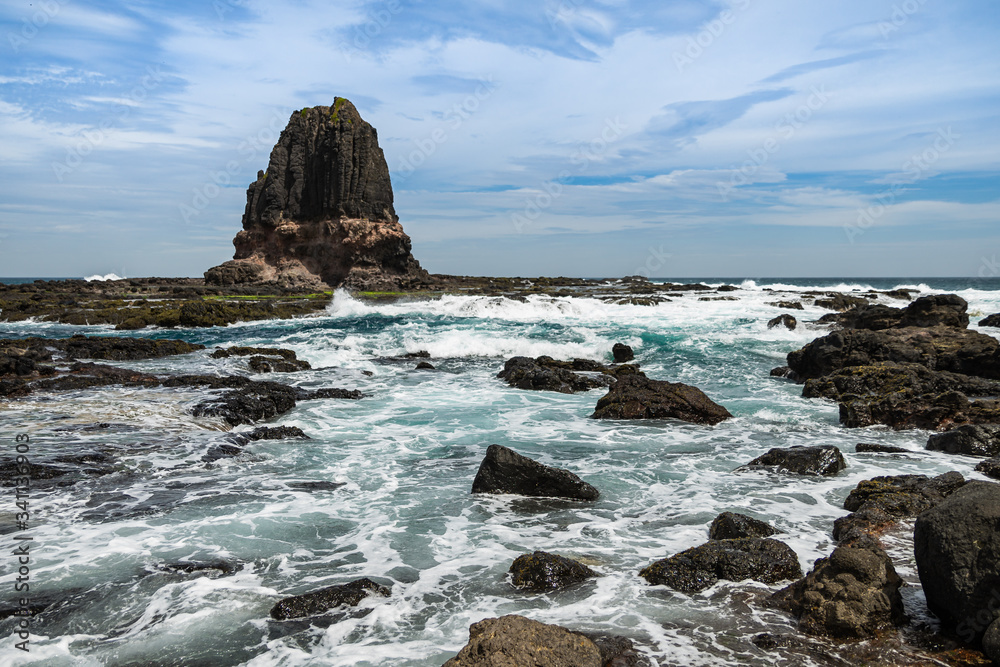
322	214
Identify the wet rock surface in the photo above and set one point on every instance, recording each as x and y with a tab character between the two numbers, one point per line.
970	440
541	571
545	374
786	321
327	599
635	396
731	526
504	471
825	460
762	559
515	640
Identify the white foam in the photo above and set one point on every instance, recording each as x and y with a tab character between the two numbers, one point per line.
106	277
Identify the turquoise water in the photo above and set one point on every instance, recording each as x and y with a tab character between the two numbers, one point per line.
407	456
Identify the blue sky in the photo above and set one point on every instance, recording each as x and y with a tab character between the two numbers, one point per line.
736	138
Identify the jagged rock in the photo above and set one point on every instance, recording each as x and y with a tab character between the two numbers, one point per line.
85	375
221	452
787	321
271	433
540	375
241	351
854	593
990	321
622	353
989	467
971	440
876	504
515	641
783	372
936	310
957	549
762	559
541	571
823	460
504	471
322	214
731	526
874	317
325	599
870	448
901	294
635	396
840	302
880	380
788	305
938	348
931	411
617	651
100	348
271	365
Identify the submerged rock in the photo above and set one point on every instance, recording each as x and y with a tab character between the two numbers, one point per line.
635	396
243	351
822	460
504	471
541	571
325	599
762	559
322	214
787	321
730	526
512	641
957	549
852	594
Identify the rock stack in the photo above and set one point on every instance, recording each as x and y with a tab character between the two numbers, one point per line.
322	213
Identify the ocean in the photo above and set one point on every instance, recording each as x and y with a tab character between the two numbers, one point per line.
407	456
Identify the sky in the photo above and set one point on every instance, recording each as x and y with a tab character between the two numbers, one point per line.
598	138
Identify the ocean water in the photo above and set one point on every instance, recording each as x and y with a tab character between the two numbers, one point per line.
407	457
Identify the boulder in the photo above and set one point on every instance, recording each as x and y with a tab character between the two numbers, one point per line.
948	310
823	460
325	599
787	321
322	214
504	471
732	526
788	305
870	448
840	302
885	378
990	321
622	353
939	348
970	440
852	594
272	365
989	467
904	410
957	549
425	366
515	641
874	317
536	374
541	571
761	559
635	396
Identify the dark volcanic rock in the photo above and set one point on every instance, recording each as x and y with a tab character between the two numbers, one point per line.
271	433
788	305
957	549
120	349
637	397
870	448
425	366
937	309
618	651
541	571
840	302
323	211
930	411
822	460
325	599
880	380
874	317
536	374
854	593
240	351
512	641
938	348
970	440
989	467
732	526
990	321
504	471
622	353
271	365
698	568
787	321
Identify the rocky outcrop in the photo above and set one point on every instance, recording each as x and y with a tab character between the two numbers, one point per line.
990	321
930	411
970	440
786	321
872	448
504	471
957	549
546	374
541	571
733	526
326	599
515	640
852	594
698	568
840	302
322	214
882	379
622	353
635	396
825	460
